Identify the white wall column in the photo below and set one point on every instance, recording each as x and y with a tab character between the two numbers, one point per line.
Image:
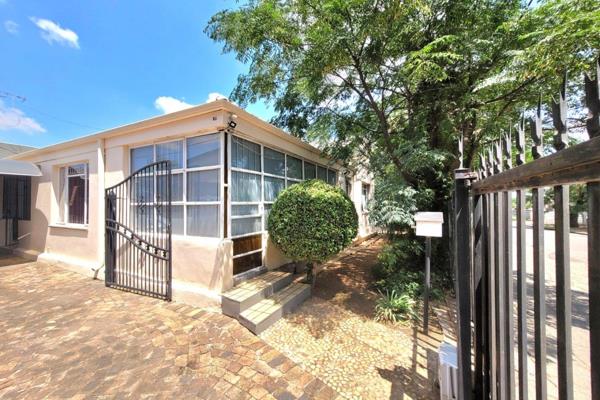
101	206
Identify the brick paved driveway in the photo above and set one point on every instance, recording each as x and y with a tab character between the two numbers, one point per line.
66	336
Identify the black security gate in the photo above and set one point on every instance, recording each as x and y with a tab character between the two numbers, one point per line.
138	232
492	332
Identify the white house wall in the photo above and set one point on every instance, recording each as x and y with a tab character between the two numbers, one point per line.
201	264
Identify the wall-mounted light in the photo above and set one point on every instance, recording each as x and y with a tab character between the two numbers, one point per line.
232	124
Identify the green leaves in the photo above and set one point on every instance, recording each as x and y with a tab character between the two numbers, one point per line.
312	221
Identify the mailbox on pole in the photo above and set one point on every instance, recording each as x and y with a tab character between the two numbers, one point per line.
428	224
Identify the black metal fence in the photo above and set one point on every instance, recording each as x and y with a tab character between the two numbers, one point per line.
484	257
138	232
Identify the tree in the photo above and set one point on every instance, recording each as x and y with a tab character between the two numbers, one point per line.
395	84
312	221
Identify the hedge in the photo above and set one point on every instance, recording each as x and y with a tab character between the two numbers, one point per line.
312	221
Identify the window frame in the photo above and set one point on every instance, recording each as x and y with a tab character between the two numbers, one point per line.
184	172
262	202
364	198
64	181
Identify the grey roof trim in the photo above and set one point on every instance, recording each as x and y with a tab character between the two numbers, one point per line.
19	168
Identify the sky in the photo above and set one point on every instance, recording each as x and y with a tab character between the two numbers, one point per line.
70	68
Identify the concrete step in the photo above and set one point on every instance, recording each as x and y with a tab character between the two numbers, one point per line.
250	292
266	312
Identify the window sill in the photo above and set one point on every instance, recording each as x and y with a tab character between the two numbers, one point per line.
77	227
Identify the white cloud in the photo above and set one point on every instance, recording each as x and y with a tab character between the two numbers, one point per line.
214	96
11	27
168	104
12	118
52	32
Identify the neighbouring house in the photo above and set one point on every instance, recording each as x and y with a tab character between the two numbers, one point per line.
15	181
227	168
10	149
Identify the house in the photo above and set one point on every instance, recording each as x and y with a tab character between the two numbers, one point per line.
226	170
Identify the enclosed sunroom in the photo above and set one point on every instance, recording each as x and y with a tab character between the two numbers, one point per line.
226	169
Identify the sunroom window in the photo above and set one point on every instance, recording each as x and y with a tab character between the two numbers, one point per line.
195	182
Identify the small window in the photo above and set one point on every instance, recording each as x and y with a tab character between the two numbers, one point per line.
310	171
203	185
203	151
332	177
348	186
141	156
274	162
273	186
245	187
245	154
171	151
366	189
74	194
322	173
203	220
294	168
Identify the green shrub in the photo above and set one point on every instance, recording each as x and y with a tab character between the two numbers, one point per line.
312	221
394	307
400	270
401	253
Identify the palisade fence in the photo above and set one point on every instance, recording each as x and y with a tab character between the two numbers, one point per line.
484	257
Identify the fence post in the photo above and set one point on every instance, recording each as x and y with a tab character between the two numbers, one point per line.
592	99
463	248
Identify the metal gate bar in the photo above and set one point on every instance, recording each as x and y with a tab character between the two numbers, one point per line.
483	244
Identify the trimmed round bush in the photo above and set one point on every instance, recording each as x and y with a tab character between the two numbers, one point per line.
312	221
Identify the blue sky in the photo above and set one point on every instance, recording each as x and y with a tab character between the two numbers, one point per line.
83	66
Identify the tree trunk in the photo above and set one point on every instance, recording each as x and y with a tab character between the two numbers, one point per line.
310	276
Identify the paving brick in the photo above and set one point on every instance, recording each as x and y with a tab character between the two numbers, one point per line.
67	336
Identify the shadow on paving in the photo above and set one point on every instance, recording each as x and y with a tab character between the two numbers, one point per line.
67	336
334	336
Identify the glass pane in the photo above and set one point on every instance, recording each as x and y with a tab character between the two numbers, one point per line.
203	185
143	189
203	151
245	225
290	183
77	199
203	220
332	177
294	167
172	151
245	186
142	216
274	162
322	173
177	220
273	186
176	187
245	154
267	212
310	171
77	169
141	156
245	209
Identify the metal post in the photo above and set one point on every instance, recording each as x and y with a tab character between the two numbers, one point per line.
427	284
462	217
